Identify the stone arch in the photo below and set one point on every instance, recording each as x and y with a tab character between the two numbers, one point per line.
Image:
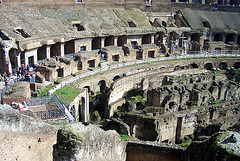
230	38
205	23
89	90
69	47
109	41
164	23
222	65
236	65
171	105
195	37
218	37
96	43
158	38
122	40
194	65
42	52
55	49
172	38
13	59
102	85
146	39
116	77
208	66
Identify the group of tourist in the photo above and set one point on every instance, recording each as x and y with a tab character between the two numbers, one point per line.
25	72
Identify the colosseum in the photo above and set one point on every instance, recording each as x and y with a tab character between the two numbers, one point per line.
153	80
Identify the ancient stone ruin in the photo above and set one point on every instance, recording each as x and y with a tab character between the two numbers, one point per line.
120	80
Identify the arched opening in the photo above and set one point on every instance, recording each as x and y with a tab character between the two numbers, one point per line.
238	40
208	66
195	37
220	2
109	41
194	65
171	105
96	43
122	40
172	40
78	27
116	77
91	63
230	38
146	39
234	2
236	65
223	65
164	24
158	39
69	47
206	24
183	1
55	49
13	59
42	52
131	23
102	85
218	37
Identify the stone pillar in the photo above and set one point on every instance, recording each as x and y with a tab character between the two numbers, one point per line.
152	38
86	106
48	52
19	60
177	1
102	42
203	1
62	50
7	58
35	59
189	1
25	59
115	41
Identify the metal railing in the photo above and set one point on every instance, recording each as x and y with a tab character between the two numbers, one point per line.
52	113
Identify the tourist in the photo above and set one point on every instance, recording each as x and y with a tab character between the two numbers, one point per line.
9	76
28	77
33	77
6	82
34	67
28	68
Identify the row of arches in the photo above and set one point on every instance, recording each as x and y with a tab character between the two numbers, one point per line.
222	65
228	38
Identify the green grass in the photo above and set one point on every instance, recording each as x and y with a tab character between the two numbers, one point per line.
123	137
45	90
59	123
68	92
